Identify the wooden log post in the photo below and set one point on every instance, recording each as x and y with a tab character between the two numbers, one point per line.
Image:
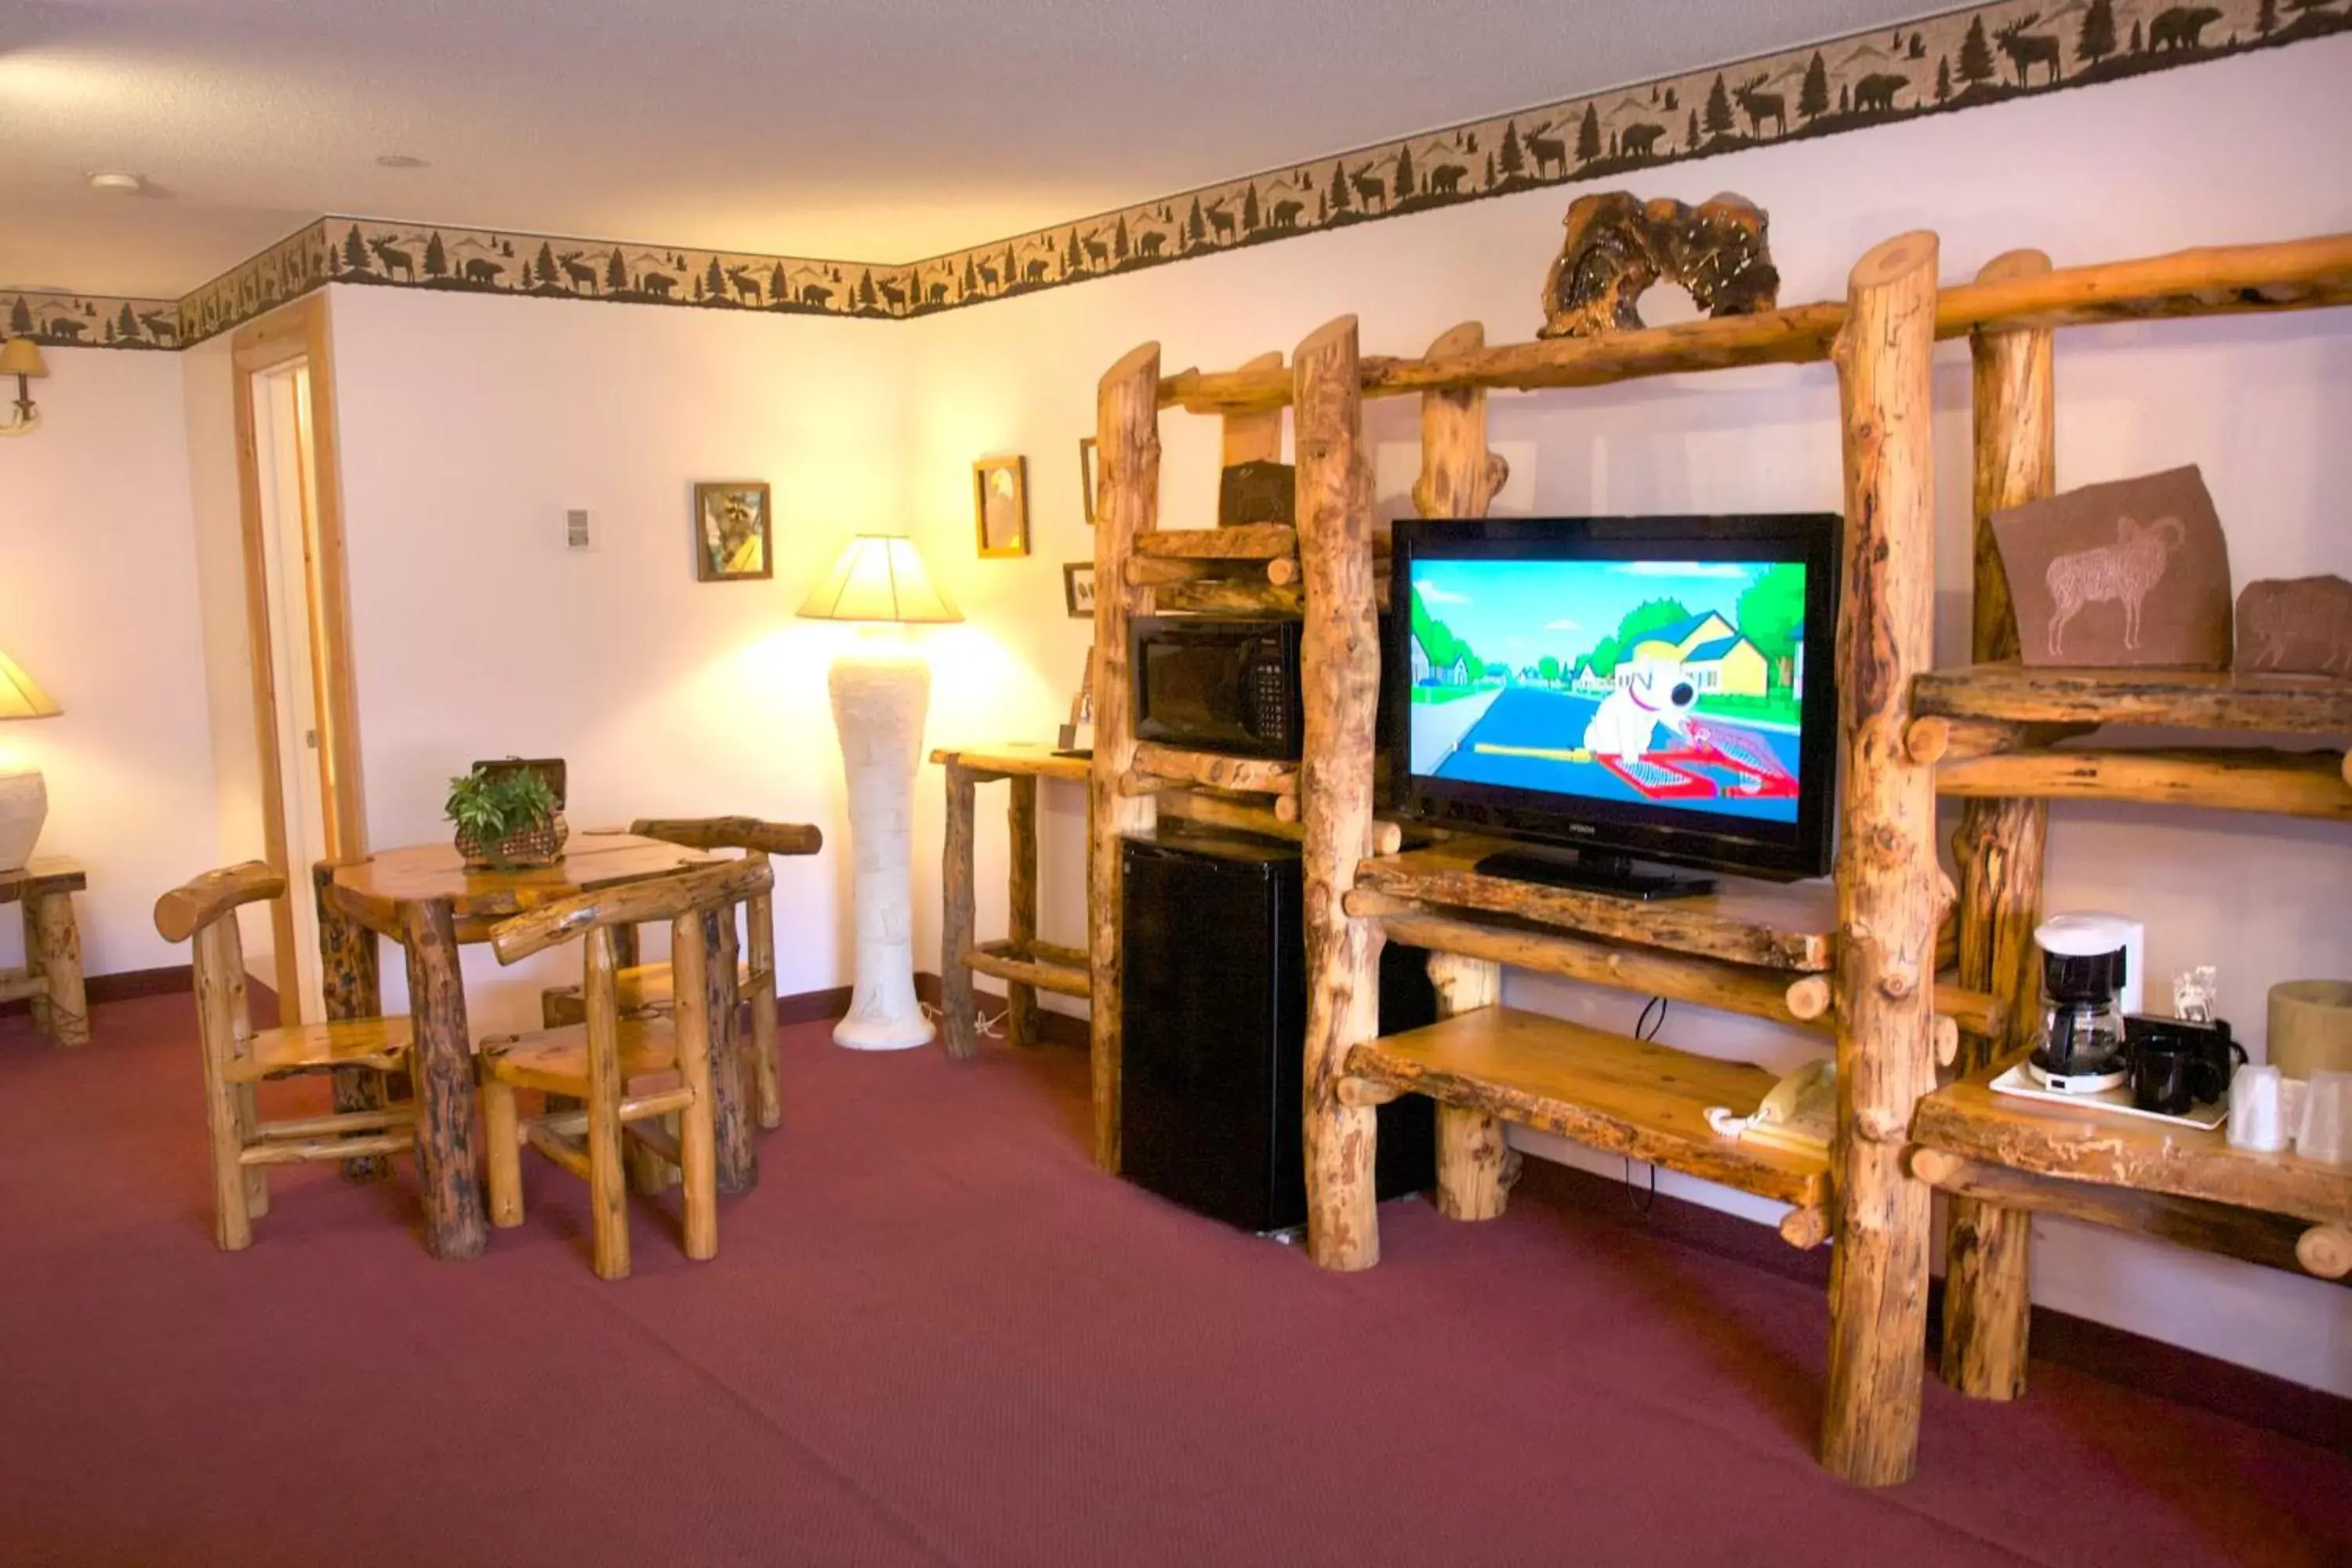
1459	477
350	984
760	922
1339	666
1477	1166
730	1109
1126	441
1021	903
1887	886
958	1036
1998	849
53	950
441	1061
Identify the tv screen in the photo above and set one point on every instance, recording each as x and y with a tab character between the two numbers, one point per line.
1651	686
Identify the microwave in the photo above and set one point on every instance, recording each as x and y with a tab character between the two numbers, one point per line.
1212	684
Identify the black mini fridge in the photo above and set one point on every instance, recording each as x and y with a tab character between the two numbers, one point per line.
1214	972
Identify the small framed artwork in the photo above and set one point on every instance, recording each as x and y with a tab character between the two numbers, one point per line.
1078	589
732	539
1089	474
1000	499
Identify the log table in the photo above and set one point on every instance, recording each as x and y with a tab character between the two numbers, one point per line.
1021	961
426	899
51	980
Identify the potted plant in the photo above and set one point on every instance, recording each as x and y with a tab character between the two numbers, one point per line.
506	815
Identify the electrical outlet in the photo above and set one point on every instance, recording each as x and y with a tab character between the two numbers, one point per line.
575	529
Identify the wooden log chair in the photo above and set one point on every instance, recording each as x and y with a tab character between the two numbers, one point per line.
237	1057
649	989
603	1063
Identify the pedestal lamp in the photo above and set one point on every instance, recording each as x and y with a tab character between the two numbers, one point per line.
880	688
24	798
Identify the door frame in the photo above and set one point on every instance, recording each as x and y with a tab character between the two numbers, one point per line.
300	330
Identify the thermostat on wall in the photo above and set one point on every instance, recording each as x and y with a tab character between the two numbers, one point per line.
575	529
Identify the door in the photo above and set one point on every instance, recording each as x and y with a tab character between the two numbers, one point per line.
297	618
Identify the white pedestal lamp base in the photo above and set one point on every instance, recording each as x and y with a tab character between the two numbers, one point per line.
24	806
879	700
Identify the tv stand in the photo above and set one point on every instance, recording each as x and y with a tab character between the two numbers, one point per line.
1595	870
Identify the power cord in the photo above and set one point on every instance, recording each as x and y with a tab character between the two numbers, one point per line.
983	1023
1645	1027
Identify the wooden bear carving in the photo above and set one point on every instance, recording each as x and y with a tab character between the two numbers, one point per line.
2296	626
1618	245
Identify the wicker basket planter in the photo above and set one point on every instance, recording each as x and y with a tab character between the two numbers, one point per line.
541	846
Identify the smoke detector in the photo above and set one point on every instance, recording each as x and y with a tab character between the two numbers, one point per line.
401	161
115	182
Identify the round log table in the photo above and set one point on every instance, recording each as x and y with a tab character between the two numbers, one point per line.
426	899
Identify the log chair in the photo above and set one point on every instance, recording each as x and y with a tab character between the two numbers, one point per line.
236	1057
601	1062
649	989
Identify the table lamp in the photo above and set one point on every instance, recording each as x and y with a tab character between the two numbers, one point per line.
21	357
24	799
880	688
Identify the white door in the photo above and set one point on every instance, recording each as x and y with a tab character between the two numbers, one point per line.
289	488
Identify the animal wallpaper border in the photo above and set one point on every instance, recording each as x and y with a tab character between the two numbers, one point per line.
1964	59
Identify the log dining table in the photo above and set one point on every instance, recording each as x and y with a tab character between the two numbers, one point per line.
426	899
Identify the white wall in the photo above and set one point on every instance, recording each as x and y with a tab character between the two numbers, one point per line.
469	427
2246	150
96	559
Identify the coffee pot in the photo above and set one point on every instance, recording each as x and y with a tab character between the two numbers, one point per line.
2086	971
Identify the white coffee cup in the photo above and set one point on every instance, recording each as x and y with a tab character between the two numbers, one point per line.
2325	1133
2257	1110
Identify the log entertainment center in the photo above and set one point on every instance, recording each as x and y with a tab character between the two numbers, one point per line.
1909	972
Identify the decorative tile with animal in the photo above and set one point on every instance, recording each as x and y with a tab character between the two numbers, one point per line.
2296	626
2131	573
1677	682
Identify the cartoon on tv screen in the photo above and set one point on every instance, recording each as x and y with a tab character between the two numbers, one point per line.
1666	682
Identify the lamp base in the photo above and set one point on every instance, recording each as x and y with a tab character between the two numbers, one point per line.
879	695
24	806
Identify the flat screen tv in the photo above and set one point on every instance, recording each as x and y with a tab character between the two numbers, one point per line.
1612	690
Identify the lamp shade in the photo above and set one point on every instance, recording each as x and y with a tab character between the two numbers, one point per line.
22	356
20	697
879	577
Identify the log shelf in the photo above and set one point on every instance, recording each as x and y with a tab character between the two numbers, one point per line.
1905	971
2105	1148
1763	925
1630	1096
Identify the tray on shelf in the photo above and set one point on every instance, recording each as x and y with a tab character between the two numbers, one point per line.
2202	1116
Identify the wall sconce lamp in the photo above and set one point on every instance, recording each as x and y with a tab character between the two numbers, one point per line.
21	357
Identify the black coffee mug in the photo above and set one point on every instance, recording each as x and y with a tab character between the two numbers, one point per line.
2166	1076
2206	1056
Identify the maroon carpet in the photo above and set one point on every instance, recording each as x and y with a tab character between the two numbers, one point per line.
934	1334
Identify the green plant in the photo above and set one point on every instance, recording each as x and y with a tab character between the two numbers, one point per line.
491	808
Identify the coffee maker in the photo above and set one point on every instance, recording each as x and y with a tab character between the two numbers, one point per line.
2089	964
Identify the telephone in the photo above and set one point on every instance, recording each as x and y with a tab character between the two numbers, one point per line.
1799	1114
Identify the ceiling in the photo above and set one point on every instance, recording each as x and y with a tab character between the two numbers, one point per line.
887	129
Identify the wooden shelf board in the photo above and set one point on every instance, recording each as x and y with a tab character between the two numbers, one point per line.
1015	757
2178	699
1251	542
1768	925
1631	1097
2088	1144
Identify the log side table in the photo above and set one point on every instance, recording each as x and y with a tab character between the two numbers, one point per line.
1025	964
51	979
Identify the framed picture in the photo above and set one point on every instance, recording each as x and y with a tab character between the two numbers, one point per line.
732	540
1000	499
1089	474
1078	589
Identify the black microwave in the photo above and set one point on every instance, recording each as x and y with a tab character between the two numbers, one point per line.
1216	685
